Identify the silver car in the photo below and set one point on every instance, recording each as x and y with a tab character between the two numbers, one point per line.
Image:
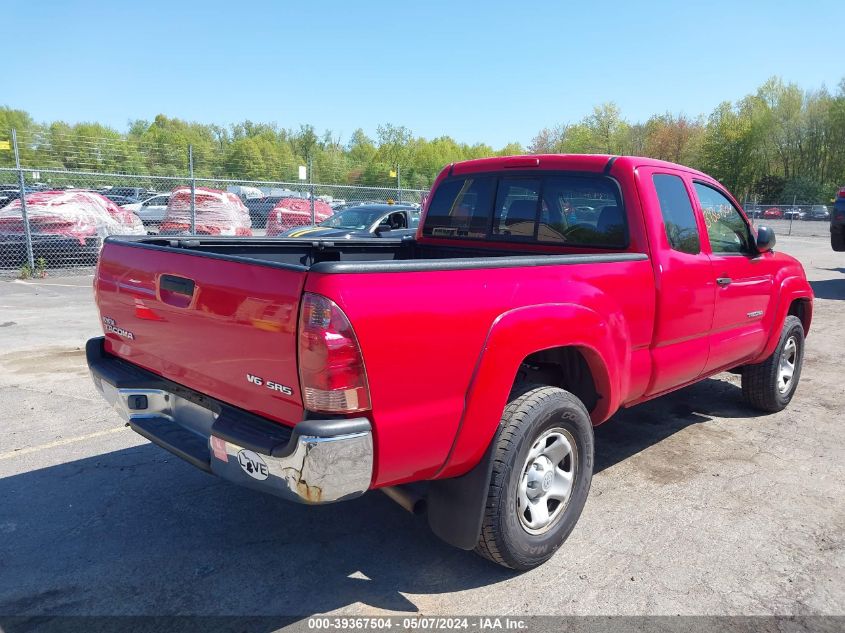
151	211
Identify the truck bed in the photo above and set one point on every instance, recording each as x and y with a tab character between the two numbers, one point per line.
221	316
364	255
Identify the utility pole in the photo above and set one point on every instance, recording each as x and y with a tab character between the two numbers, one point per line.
311	188
22	184
193	190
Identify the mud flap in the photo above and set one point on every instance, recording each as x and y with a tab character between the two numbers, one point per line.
456	505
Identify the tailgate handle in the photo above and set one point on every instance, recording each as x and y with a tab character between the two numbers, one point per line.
178	285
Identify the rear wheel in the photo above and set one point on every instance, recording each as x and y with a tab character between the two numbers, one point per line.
770	385
542	469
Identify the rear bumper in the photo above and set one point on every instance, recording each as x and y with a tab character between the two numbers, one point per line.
317	461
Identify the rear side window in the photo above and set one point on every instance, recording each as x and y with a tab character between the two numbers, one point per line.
571	210
582	210
678	216
461	208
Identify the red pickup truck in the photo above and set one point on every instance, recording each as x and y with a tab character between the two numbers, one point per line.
541	294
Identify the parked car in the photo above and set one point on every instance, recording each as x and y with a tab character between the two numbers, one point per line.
152	210
245	192
363	221
67	227
773	213
793	214
816	212
136	193
7	194
120	201
837	222
260	208
475	360
217	213
753	211
295	212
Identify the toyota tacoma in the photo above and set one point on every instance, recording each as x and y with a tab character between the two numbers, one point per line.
467	366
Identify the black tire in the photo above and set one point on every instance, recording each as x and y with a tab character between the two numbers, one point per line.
534	411
837	238
762	385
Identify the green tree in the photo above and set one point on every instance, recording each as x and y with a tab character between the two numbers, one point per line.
394	145
728	147
672	138
27	130
775	141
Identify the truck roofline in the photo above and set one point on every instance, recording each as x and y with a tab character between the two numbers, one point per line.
598	163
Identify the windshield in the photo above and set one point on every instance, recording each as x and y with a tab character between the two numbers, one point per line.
353	219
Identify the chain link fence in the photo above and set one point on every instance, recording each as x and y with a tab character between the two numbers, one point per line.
802	220
54	217
53	221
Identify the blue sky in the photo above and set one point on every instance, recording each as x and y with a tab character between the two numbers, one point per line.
484	71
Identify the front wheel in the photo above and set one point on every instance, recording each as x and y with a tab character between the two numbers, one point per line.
770	385
542	469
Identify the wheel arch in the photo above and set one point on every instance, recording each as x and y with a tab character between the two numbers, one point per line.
456	496
525	334
794	297
802	307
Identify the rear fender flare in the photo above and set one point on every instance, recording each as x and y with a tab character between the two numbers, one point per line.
515	335
456	499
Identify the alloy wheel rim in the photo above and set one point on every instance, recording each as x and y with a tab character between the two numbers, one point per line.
546	481
786	365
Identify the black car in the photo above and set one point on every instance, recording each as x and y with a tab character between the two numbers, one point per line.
127	192
817	212
364	220
120	200
837	222
259	208
9	193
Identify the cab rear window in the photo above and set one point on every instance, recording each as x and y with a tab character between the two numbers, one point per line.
564	209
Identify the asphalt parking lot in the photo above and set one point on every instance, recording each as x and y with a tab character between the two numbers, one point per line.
699	505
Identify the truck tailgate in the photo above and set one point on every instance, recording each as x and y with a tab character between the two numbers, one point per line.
225	328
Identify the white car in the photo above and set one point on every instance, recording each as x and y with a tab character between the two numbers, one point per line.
151	211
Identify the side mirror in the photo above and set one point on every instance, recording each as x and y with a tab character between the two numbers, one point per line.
765	239
383	228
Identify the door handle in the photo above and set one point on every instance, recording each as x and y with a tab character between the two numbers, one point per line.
724	281
176	291
179	285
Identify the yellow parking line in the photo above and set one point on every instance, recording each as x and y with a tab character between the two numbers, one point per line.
57	443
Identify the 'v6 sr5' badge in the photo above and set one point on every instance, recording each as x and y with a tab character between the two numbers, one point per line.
270	384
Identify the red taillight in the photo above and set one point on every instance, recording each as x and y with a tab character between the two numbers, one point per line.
331	368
